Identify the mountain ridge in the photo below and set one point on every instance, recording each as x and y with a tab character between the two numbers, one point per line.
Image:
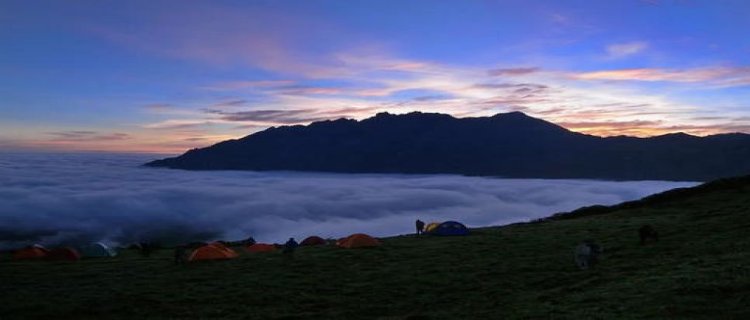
512	145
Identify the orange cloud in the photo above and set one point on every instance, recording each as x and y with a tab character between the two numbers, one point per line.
723	76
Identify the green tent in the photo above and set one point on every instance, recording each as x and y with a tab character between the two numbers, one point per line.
97	250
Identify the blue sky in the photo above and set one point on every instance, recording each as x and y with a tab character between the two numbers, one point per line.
164	76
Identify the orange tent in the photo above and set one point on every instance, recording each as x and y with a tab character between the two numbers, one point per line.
63	254
312	241
224	247
219	244
30	253
358	240
212	252
261	247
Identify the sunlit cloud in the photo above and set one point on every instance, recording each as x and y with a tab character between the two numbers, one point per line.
77	136
177	124
512	71
608	128
286	117
231	103
719	76
561	97
621	50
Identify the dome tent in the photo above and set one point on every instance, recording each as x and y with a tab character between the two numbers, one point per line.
34	252
313	241
212	252
450	228
63	254
431	226
358	240
222	245
97	250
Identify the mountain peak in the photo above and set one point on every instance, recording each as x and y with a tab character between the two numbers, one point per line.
512	114
509	144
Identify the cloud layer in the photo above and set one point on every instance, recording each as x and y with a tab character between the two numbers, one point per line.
78	198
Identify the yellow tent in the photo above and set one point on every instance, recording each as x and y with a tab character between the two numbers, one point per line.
431	226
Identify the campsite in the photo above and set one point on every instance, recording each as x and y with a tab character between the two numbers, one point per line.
697	270
375	159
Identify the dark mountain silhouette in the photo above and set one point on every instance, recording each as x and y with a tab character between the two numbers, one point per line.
509	145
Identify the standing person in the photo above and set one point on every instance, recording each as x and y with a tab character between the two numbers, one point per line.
420	226
290	246
249	241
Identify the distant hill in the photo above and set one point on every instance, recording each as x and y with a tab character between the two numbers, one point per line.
511	145
727	185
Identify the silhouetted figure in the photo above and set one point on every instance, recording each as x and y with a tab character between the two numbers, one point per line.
249	241
647	232
587	254
420	226
290	246
180	255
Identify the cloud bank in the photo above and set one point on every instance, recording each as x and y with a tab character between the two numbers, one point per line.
78	198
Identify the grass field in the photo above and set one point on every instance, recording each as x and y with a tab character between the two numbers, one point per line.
700	269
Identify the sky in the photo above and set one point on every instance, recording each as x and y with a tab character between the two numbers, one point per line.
80	198
166	76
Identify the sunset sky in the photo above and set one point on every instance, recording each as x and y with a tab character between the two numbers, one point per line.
165	76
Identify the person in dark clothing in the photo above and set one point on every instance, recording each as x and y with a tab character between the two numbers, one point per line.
249	241
420	226
647	232
290	246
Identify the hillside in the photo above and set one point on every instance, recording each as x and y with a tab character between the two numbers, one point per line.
509	145
700	269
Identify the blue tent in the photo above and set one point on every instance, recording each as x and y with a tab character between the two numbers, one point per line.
451	228
97	250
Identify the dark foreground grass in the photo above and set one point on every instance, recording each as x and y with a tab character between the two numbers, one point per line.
699	270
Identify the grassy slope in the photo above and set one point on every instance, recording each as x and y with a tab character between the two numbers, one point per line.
700	269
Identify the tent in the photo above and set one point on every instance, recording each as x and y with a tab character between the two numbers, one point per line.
358	240
261	247
312	241
63	254
97	250
450	228
31	253
431	226
212	252
223	246
219	244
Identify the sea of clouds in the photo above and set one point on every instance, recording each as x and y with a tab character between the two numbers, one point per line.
78	198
